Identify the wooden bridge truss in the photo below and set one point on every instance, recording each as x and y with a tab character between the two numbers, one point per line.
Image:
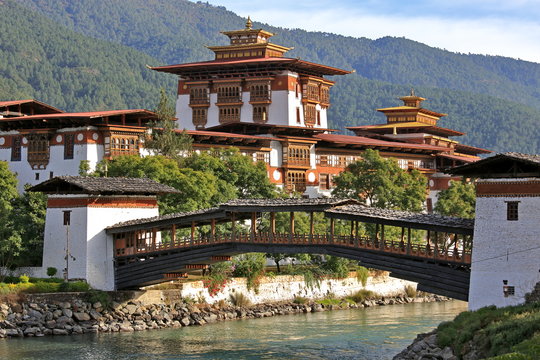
149	251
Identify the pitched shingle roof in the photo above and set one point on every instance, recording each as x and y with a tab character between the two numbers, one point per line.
509	165
102	185
402	218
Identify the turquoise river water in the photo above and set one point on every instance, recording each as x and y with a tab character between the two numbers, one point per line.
373	333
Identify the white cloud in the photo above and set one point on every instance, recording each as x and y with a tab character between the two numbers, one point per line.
483	31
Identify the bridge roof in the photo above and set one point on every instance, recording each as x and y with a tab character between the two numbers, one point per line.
241	207
182	219
284	205
403	219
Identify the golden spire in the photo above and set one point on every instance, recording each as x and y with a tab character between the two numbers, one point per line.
249	24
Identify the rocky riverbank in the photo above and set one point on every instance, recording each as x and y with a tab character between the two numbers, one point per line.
425	347
72	314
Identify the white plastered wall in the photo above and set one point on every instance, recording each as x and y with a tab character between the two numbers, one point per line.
504	250
91	249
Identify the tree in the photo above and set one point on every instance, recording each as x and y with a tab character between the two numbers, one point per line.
164	138
458	200
380	182
10	238
29	217
197	189
248	180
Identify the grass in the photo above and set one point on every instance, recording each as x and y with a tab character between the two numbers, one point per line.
300	300
513	330
32	286
410	291
239	299
363	295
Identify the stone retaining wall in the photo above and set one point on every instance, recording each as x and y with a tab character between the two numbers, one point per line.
70	314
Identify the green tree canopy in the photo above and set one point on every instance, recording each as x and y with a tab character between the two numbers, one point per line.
165	139
10	238
380	182
458	200
248	179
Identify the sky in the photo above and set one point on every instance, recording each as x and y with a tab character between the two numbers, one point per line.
508	28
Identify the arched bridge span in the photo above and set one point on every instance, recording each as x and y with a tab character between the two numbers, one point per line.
432	250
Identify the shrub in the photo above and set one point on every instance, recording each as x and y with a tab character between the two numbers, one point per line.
362	275
239	299
103	297
44	287
300	300
410	291
250	266
51	271
74	286
24	279
363	295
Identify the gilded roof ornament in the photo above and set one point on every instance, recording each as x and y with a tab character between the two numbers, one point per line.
249	24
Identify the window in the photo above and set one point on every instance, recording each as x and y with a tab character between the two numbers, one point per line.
512	210
123	145
69	144
16	148
259	92
229	94
51	175
199	117
318	118
38	151
260	114
296	181
37	176
298	121
298	155
67	217
310	114
198	96
229	114
325	181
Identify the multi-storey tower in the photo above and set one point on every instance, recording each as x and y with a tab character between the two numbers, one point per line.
251	82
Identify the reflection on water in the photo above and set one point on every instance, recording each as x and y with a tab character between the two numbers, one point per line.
372	333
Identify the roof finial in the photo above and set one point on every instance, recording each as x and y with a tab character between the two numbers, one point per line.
412	92
249	24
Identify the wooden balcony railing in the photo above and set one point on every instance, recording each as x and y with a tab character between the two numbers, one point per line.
451	254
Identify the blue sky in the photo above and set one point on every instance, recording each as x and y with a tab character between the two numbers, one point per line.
508	28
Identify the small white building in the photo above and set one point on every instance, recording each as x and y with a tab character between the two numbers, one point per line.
506	253
78	211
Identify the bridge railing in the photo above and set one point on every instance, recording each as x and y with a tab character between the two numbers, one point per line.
428	250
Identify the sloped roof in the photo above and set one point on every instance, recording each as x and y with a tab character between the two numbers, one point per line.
102	186
361	140
403	218
504	165
47	107
295	64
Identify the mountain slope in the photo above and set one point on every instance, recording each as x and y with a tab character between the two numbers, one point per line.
175	31
40	59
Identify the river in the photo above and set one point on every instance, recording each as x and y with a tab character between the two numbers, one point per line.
371	333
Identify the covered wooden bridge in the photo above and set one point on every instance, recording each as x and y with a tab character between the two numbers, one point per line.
432	250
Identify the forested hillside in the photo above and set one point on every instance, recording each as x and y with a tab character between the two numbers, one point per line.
42	60
65	55
176	31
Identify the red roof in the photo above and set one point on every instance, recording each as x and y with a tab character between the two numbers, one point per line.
361	140
473	149
295	63
426	129
93	114
29	101
459	158
225	134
